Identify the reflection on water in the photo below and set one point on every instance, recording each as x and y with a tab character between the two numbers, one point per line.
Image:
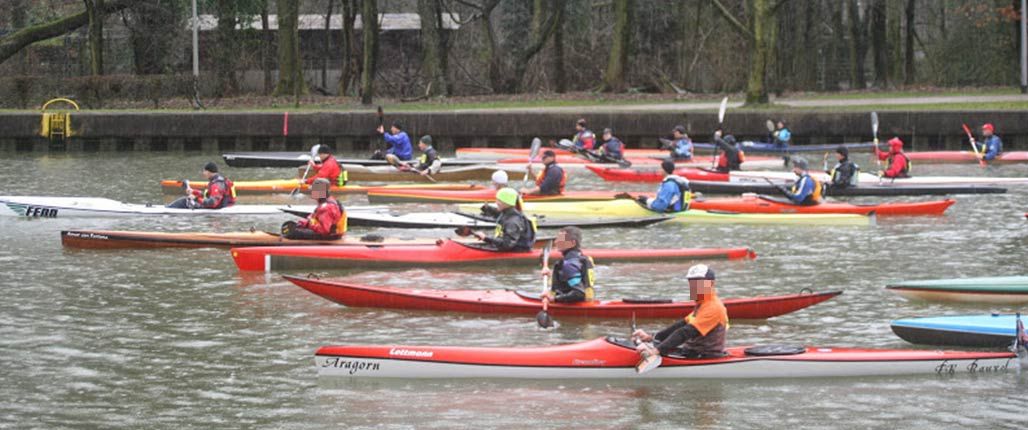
179	338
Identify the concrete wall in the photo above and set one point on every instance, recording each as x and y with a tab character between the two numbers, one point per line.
263	131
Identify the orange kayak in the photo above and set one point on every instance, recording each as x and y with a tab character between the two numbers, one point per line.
475	196
771	205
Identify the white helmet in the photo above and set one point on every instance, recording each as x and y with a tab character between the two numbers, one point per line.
500	177
700	271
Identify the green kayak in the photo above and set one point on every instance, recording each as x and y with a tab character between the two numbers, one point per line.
995	290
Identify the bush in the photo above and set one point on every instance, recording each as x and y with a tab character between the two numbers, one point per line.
93	91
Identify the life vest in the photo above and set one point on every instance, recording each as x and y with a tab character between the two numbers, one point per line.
230	191
854	178
343	177
588	275
541	176
906	166
684	194
815	195
526	241
340	227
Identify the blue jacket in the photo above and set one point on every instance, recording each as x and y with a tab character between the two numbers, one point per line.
782	137
399	145
803	190
992	146
683	148
671	196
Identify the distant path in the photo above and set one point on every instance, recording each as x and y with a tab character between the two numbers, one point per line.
713	105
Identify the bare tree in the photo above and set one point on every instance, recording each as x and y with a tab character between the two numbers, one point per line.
290	65
620	47
369	21
434	50
761	30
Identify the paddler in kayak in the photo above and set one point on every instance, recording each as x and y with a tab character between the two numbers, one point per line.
327	222
845	172
612	148
429	163
220	192
806	191
399	144
514	231
680	145
729	157
897	161
499	180
701	334
327	168
584	139
781	137
549	182
673	194
571	279
992	146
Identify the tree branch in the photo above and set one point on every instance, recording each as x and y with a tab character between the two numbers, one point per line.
739	26
11	44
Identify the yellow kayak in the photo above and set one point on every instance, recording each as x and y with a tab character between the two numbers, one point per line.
629	208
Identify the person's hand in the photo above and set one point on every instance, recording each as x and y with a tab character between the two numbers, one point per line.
717	134
641	199
300	182
881	173
423	172
545	272
478	235
380	129
311	164
642	336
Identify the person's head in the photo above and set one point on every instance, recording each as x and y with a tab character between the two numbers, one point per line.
895	145
580	124
499	179
668	166
425	142
396	127
729	139
320	188
549	157
988	129
324	151
701	282
799	165
506	198
209	170
842	153
781	124
608	133
678	132
568	238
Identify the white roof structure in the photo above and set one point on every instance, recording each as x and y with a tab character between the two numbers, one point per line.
388	22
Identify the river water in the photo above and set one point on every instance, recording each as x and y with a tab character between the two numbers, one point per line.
177	339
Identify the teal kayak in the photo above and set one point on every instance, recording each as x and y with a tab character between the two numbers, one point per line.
995	290
994	330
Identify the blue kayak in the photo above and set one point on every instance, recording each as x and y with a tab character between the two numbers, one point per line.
994	330
750	147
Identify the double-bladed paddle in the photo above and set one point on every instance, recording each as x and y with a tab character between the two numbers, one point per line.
314	153
543	317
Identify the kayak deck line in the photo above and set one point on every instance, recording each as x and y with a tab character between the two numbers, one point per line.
513	302
613	358
112	239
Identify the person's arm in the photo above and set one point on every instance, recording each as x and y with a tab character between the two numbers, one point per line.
214	196
669	338
882	155
436	166
512	231
992	148
325	222
803	189
323	170
895	168
664	196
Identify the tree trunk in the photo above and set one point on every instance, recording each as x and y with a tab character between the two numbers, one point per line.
12	43
94	11
433	47
226	48
908	41
348	47
559	76
266	47
857	47
369	21
894	40
764	33
290	65
879	47
614	77
326	50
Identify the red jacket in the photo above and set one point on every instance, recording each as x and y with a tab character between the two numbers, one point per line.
324	219
898	167
217	195
328	169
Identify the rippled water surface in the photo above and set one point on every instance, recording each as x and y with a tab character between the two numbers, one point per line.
176	338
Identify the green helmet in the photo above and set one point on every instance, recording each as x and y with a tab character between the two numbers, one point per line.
508	196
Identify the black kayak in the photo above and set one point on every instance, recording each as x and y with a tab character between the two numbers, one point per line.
750	147
297	159
709	187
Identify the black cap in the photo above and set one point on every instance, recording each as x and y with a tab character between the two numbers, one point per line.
608	130
679	128
426	139
324	149
842	149
668	166
581	122
730	139
549	153
398	125
211	167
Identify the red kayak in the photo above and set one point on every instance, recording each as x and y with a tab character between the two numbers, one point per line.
517	302
613	358
446	253
653	161
770	205
655	176
929	157
477	196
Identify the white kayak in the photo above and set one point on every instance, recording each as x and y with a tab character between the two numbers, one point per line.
70	207
867	178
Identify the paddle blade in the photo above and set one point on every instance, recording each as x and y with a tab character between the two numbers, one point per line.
967	130
770	125
536	144
721	110
314	150
874	124
648	363
544	320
